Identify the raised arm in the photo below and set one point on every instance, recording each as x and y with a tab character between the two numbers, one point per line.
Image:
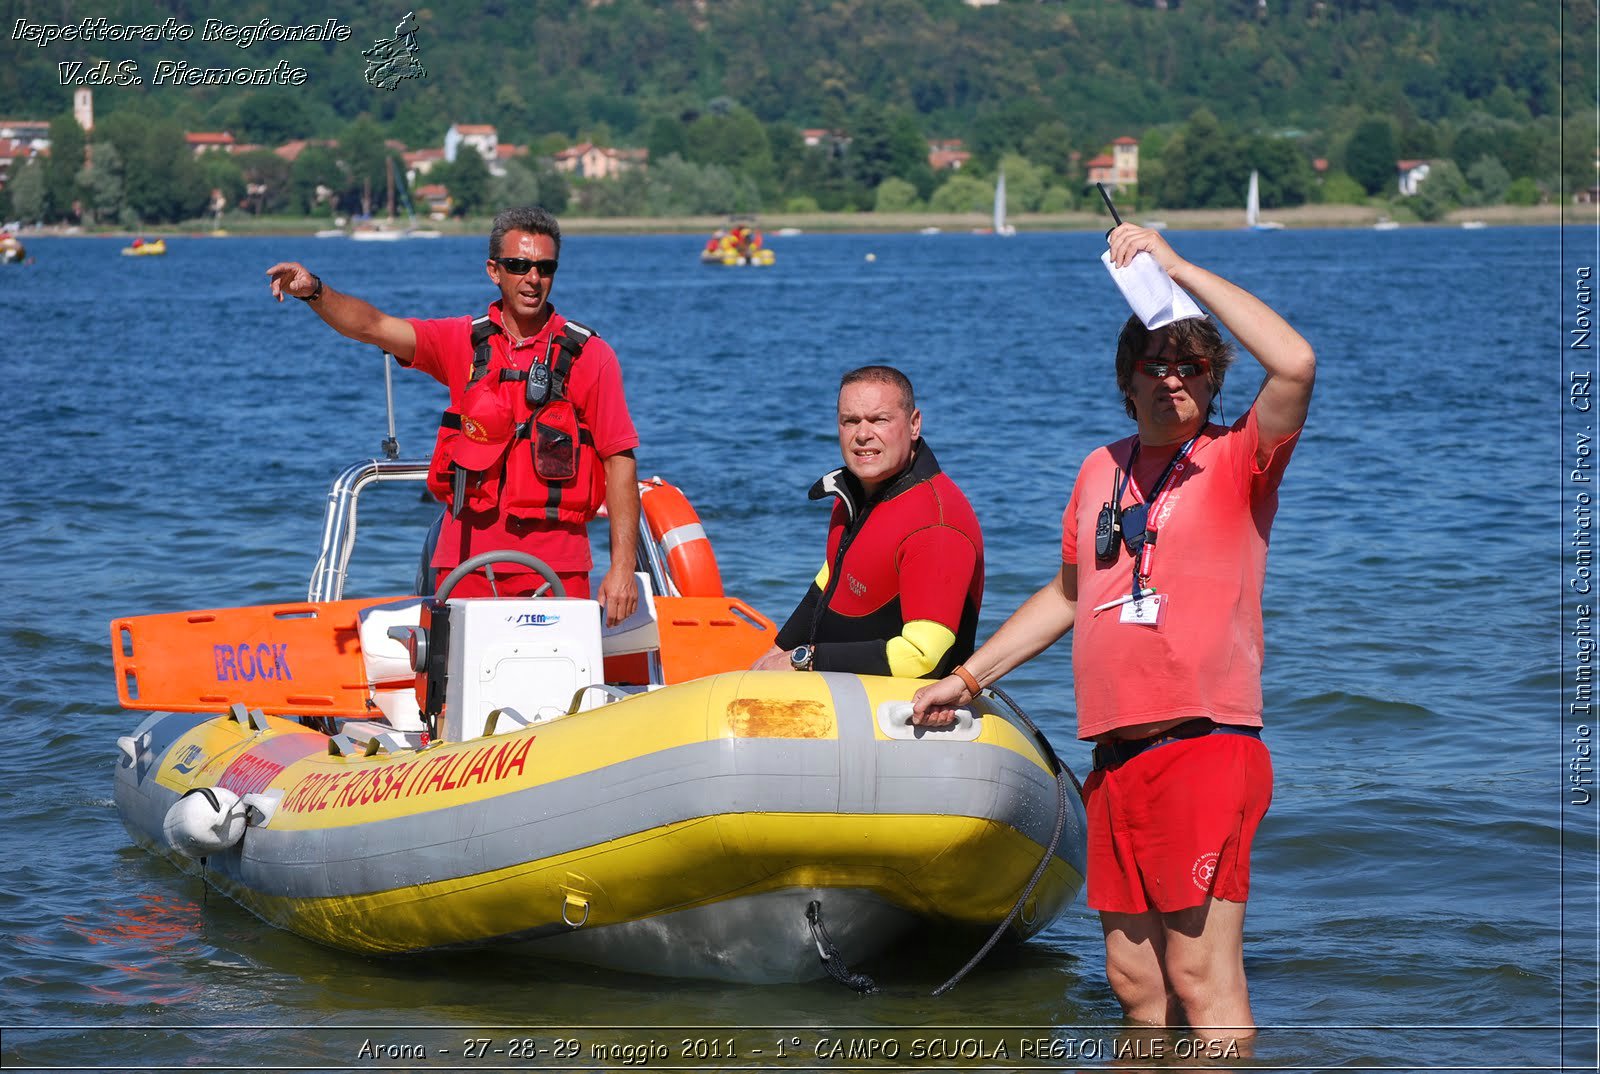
345	314
1290	363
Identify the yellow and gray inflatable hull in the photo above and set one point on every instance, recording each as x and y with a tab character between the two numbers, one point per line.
681	831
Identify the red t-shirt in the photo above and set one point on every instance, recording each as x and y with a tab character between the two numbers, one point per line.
1210	561
444	352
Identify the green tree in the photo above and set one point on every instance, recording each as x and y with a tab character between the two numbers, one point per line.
1339	189
1285	172
163	182
316	178
675	187
1057	199
1578	153
1203	166
362	155
895	195
732	137
1523	191
1025	183
64	163
962	194
271	117
1444	189
1489	181
626	195
101	182
468	182
1370	157
29	197
1050	146
666	138
221	171
266	182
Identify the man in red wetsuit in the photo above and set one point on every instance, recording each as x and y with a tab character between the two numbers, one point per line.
538	434
900	589
1163	556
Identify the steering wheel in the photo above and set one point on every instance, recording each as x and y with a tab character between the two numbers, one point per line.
552	584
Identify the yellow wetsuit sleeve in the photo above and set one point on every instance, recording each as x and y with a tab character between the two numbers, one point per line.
918	648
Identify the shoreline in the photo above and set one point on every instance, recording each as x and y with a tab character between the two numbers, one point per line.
1300	217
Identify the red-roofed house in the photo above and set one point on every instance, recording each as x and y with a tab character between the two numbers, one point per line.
291	151
1119	168
1412	173
480	136
14	153
1125	155
1101	169
421	161
436	199
947	153
589	161
208	141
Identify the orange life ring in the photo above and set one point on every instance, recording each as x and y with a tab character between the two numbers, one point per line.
673	522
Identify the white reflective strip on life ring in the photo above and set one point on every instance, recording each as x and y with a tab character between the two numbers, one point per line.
682	535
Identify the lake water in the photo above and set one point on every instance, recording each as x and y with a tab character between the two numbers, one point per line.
1424	892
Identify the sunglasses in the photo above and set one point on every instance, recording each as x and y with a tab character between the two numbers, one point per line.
520	266
1159	367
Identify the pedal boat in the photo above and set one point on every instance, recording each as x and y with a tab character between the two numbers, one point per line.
393	775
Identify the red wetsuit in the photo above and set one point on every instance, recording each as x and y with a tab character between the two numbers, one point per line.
900	591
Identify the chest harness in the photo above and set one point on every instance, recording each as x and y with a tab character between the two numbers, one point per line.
549	470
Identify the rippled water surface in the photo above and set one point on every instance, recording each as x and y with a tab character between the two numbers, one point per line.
174	432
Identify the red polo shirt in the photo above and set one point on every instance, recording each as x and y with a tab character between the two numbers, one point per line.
444	352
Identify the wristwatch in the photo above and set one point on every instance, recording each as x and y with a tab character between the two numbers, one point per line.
800	658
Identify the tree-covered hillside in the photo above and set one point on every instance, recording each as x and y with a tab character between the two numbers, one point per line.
726	86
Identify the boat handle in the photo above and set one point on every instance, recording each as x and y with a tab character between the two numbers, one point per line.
567	904
613	691
894	719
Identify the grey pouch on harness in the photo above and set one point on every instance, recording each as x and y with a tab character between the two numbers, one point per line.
555	441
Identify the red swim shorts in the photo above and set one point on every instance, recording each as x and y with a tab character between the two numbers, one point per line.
1173	826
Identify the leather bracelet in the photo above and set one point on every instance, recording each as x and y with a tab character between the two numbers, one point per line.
967	677
316	292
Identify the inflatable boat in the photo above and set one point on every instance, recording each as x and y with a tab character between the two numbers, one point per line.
141	248
402	774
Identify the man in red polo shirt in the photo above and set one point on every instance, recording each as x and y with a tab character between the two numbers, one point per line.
1163	556
538	434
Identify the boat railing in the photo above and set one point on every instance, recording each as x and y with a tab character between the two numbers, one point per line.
339	519
339	528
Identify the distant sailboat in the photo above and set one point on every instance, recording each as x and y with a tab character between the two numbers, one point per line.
1000	225
375	231
1252	208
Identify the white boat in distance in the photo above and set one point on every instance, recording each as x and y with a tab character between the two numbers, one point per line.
1000	225
1252	208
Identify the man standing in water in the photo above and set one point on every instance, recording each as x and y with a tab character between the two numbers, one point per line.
538	434
1164	546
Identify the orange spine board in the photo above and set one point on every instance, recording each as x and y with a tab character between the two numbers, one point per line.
286	659
707	635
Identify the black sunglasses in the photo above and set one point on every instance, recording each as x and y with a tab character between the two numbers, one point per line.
519	266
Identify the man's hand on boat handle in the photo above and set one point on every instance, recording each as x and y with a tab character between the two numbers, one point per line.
935	704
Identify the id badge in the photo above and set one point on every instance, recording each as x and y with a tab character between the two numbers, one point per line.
1146	611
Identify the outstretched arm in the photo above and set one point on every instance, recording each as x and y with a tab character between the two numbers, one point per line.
1032	628
345	314
1288	359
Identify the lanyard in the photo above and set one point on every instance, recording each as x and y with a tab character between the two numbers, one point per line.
1157	499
